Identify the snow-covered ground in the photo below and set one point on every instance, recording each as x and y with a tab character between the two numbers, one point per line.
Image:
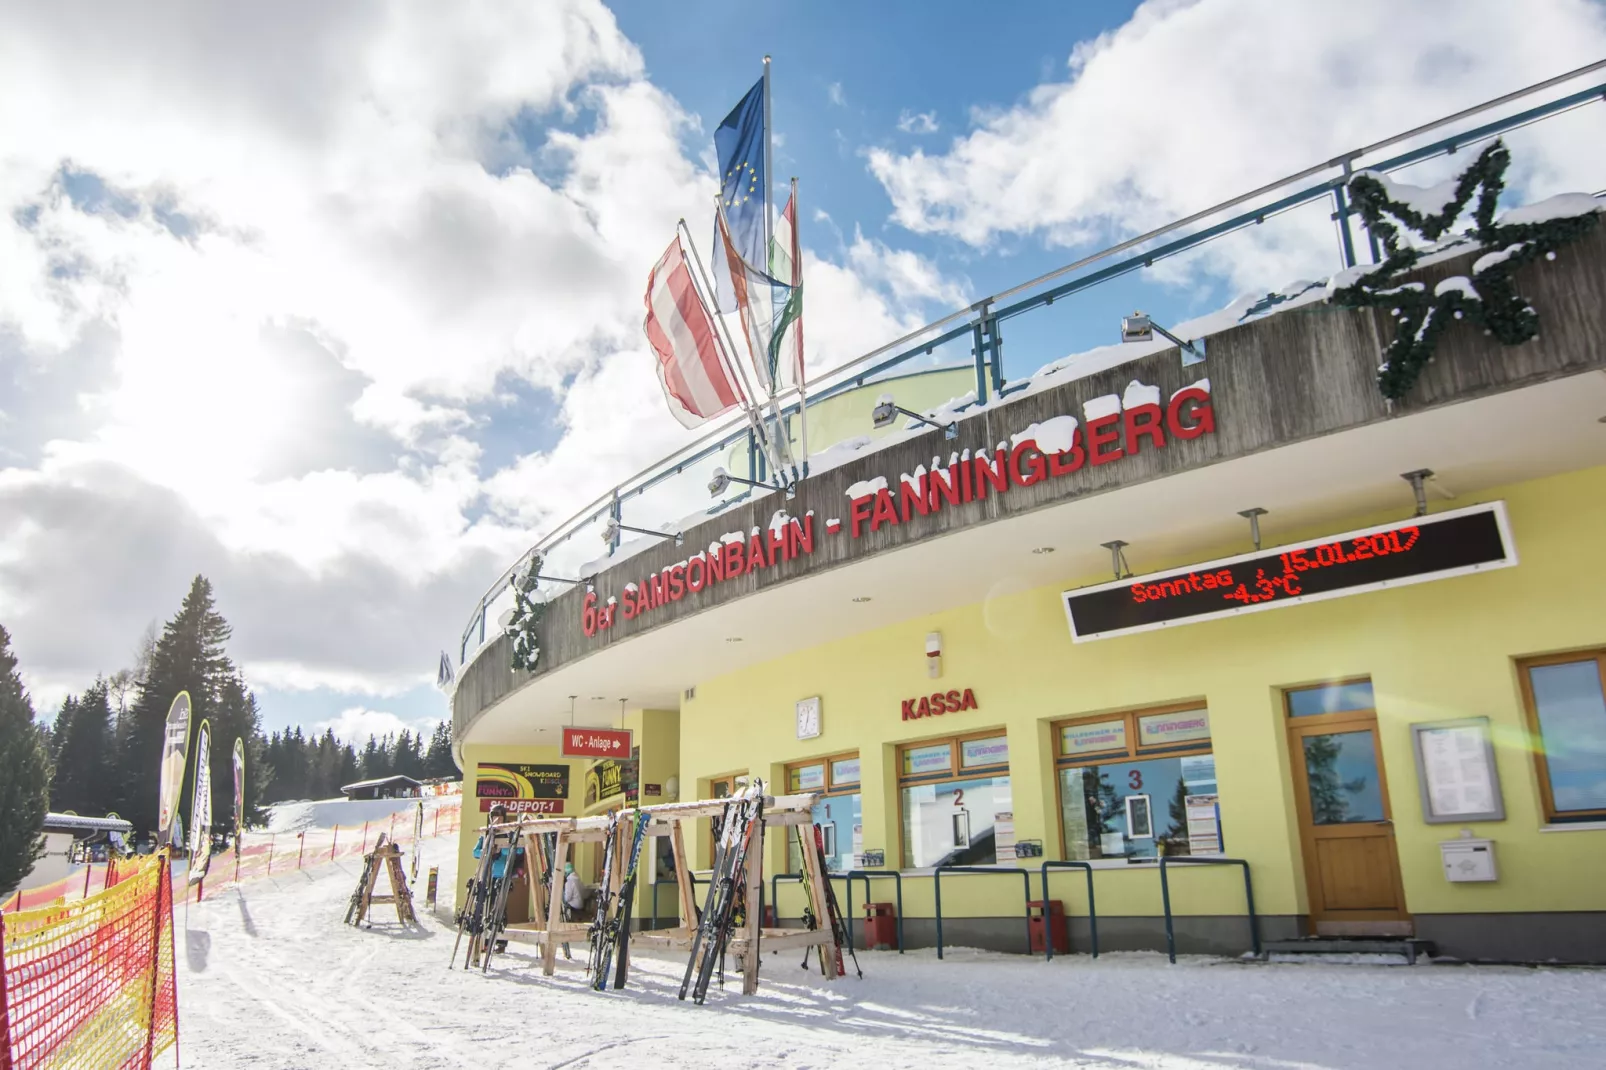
270	977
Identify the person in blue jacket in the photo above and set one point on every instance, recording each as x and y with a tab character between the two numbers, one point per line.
499	860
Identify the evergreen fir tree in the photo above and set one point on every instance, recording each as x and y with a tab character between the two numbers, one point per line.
24	776
83	752
438	760
187	656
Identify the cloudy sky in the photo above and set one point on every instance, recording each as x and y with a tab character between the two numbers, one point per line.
340	304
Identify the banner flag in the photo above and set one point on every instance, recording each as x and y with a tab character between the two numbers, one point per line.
444	676
697	385
201	805
765	304
740	142
239	792
175	748
786	264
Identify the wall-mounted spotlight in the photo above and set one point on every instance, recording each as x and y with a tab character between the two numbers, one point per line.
1138	327
886	411
723	479
611	530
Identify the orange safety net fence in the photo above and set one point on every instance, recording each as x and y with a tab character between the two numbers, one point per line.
91	984
263	854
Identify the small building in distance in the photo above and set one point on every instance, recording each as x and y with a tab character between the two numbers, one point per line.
390	787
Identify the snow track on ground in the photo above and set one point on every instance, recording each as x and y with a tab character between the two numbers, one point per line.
270	978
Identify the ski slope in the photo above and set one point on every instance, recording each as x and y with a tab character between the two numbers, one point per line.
269	977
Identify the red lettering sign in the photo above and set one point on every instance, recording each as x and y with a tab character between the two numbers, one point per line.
524	806
968	477
938	703
595	743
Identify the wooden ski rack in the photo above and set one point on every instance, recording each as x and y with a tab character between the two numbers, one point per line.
549	930
387	856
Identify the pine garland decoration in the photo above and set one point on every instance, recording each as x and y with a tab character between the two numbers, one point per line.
524	627
1489	299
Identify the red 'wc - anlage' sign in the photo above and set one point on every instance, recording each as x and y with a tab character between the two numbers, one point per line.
596	743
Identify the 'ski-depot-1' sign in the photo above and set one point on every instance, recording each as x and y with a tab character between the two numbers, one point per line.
1117	431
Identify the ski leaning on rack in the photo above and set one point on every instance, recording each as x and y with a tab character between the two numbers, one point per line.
616	934
599	922
501	887
701	937
838	929
368	863
471	917
723	886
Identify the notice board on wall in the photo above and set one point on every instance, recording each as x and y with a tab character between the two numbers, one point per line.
1456	773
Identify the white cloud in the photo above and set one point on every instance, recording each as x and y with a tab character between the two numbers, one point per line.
310	243
917	122
356	724
1181	108
833	93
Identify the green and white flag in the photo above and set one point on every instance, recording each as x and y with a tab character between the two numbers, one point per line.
201	807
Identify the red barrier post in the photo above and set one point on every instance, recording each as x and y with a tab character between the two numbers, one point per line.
5	1015
156	957
302	848
365	837
89	871
271	838
334	843
437	821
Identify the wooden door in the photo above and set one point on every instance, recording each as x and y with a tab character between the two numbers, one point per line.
1352	869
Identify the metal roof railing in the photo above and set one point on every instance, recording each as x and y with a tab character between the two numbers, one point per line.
981	320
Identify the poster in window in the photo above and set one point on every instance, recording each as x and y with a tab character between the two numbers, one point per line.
1204	824
809	778
1166	729
1456	771
1139	825
1004	835
1092	738
845	771
934	759
1199	771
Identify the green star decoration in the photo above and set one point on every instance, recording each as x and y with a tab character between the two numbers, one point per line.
524	628
1488	299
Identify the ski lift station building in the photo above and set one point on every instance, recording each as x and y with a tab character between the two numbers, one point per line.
1136	607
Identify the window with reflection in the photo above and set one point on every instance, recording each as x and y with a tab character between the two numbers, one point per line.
1137	785
838	812
955	801
1566	706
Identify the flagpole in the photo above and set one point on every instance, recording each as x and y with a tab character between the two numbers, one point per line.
769	179
779	452
797	281
733	366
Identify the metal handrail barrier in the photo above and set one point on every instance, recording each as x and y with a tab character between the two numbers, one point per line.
846	376
1206	860
867	875
1026	882
655	885
847	920
1092	908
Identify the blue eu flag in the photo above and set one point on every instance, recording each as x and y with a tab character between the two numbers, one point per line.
744	194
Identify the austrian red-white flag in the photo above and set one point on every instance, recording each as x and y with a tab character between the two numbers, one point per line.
695	381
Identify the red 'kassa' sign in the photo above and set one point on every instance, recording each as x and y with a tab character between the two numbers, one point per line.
596	743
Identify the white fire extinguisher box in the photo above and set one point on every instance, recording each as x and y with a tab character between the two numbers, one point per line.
1468	860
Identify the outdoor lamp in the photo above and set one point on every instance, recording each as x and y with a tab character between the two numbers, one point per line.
611	530
1138	327
723	479
886	411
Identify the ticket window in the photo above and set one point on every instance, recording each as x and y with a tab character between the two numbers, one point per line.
838	813
956	802
1137	785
